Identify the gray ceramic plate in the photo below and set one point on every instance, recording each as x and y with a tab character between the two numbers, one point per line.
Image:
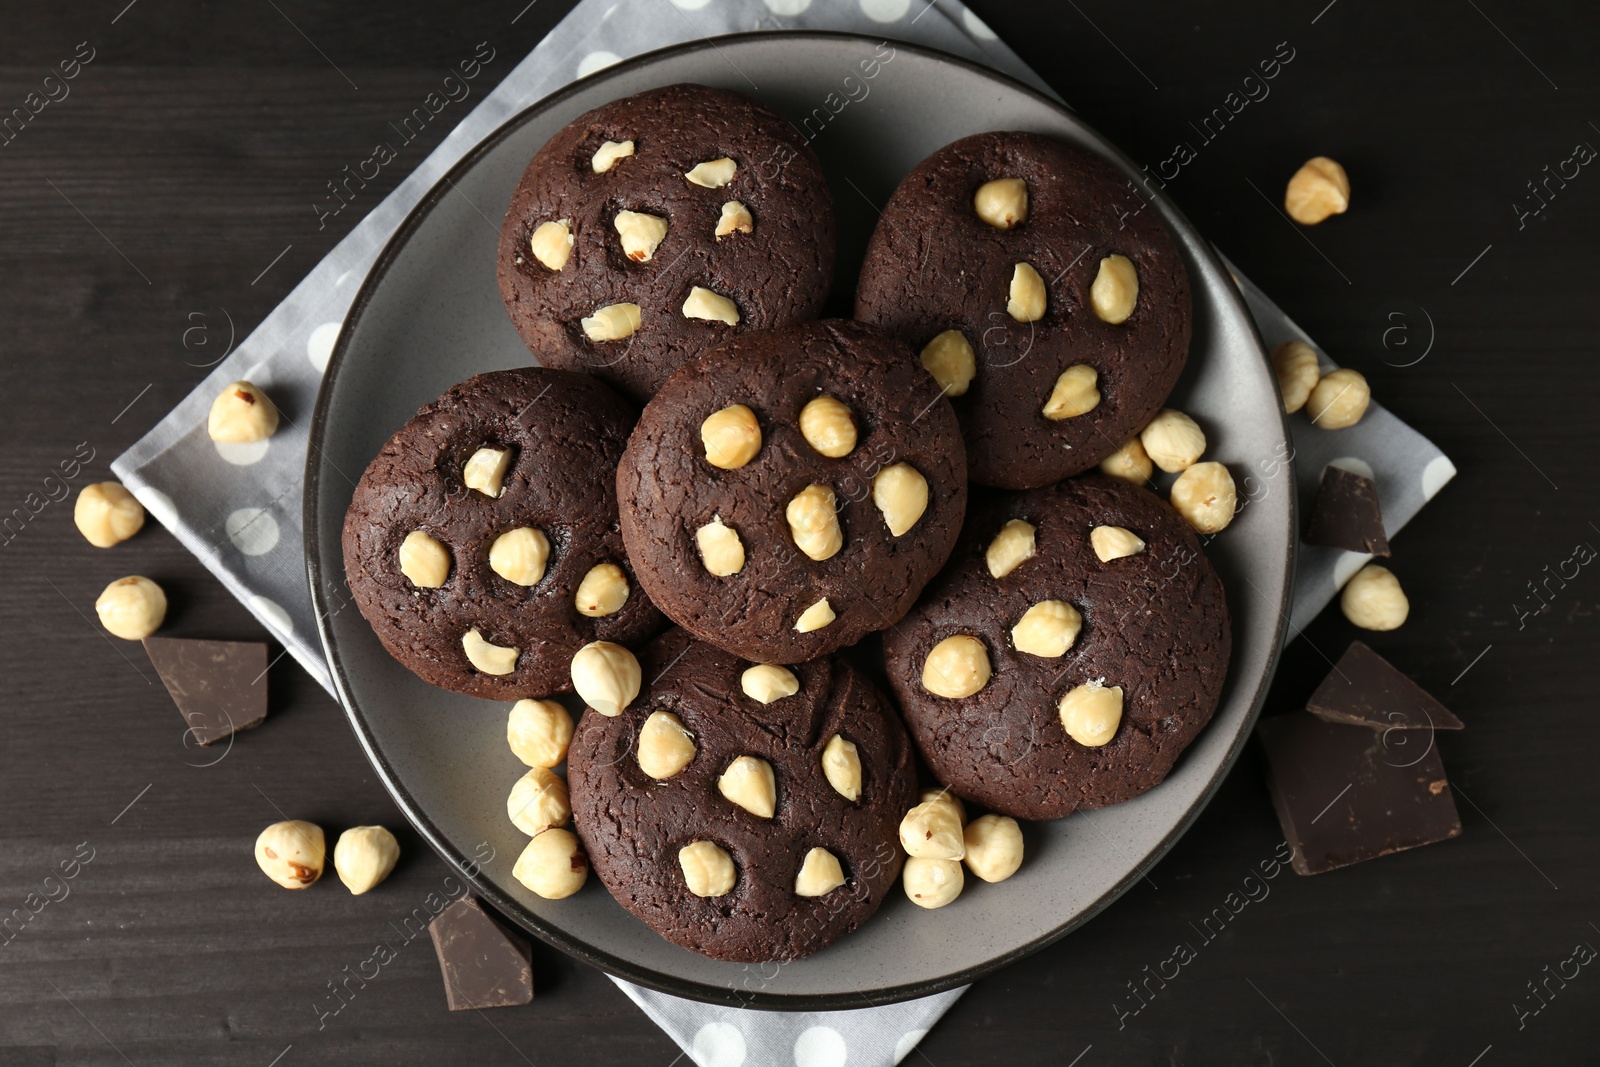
430	315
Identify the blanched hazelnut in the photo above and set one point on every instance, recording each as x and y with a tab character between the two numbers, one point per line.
944	796
291	853
713	174
1047	629
539	732
1002	203
364	856
1318	189
932	830
606	676
814	522
702	303
766	682
241	414
1373	599
1339	400
538	801
519	555
1115	291
1204	495
1131	462
639	234
815	617
1026	300
901	493
551	243
721	550
841	765
749	783
707	869
1091	712
107	514
1173	440
424	561
665	747
994	847
553	866
731	437
957	667
614	322
486	657
1298	370
735	218
606	156
820	874
602	592
1011	548
131	608
1114	542
931	883
828	426
1075	393
952	362
485	470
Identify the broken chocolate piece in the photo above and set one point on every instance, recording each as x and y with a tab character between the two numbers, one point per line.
220	687
1367	690
484	964
1346	793
1346	514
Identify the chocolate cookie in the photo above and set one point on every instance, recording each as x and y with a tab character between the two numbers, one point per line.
789	492
1043	293
492	513
660	224
703	805
1074	647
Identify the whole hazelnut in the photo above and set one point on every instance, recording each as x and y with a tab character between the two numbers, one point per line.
1373	599
539	732
931	883
241	414
1339	400
291	853
1318	189
132	608
553	865
364	856
107	514
1298	370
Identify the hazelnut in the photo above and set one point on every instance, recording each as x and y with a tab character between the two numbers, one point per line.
1002	203
363	856
485	470
1131	462
606	156
240	414
1011	548
820	874
131	608
538	801
1298	371
749	783
1373	599
1339	399
814	522
1091	712
1204	495
815	617
841	765
1074	393
519	555
766	682
1047	629
606	676
901	494
731	437
291	853
721	551
424	561
932	829
735	218
828	426
1115	291
665	747
488	658
707	869
107	514
602	592
640	234
1026	300
551	243
944	796
994	847
702	303
553	865
952	362
1114	542
713	174
614	322
1173	440
931	883
1318	189
957	667
539	732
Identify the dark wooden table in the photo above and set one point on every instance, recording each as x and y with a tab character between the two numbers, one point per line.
154	199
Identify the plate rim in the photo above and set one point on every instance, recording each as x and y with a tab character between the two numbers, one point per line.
552	934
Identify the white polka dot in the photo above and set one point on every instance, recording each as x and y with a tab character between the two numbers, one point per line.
788	7
596	61
270	613
885	10
159	505
690	5
243	454
979	29
908	1041
252	530
820	1046
319	346
1347	565
1434	476
718	1045
1353	465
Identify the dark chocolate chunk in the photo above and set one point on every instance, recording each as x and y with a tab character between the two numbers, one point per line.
1346	514
1346	794
219	686
484	964
1367	690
